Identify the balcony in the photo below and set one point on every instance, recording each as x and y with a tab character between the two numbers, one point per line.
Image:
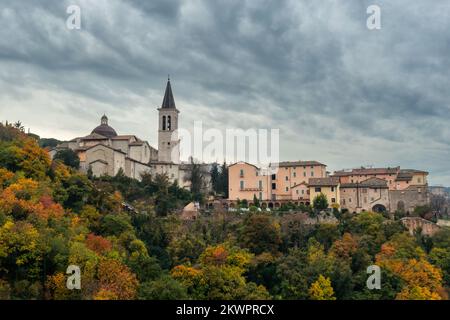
251	189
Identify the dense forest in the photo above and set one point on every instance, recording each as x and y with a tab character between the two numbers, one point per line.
129	241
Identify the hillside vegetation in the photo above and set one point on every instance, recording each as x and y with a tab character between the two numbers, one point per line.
129	242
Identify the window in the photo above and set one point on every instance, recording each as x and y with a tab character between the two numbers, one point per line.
164	123
287	189
343	201
260	196
241	173
332	189
260	184
349	200
312	173
287	178
295	174
242	185
333	200
169	123
274	177
257	173
303	191
304	173
296	191
274	186
419	180
318	189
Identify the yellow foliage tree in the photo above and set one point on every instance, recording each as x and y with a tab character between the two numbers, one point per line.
321	289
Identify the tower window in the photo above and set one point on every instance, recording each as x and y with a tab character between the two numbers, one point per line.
164	123
169	123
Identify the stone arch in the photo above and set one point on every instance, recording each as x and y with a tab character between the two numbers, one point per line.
379	208
271	205
277	204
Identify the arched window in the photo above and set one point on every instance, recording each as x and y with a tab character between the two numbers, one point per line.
164	123
169	123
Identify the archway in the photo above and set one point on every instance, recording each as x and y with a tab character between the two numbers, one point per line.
379	208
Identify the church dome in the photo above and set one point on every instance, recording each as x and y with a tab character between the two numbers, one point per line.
104	129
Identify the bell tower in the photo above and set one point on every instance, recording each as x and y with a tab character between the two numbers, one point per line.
168	142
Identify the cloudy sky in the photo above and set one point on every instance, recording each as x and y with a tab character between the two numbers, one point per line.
339	93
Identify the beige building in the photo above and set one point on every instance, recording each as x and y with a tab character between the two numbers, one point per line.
105	152
328	186
381	189
368	195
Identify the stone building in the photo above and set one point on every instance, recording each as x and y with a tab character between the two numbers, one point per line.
368	195
402	189
357	190
417	224
105	152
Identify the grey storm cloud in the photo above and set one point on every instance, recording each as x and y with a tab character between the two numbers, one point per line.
338	92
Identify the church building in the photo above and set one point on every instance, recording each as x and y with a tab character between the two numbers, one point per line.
105	152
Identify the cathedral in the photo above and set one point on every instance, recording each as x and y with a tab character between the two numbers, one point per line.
105	152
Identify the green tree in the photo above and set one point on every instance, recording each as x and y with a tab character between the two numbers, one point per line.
68	157
164	288
320	202
261	233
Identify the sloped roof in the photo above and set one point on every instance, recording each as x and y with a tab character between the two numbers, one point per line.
369	183
168	101
299	163
366	171
323	182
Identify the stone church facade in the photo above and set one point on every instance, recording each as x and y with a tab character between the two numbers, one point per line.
105	152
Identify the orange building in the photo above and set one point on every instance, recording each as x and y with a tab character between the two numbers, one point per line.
289	183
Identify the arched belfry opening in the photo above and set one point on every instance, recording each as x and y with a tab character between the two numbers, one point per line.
168	144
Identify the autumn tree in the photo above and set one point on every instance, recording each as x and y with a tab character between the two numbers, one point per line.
261	233
321	289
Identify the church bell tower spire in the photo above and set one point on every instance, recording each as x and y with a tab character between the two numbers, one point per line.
168	142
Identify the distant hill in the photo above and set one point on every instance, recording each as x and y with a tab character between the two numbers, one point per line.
49	142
